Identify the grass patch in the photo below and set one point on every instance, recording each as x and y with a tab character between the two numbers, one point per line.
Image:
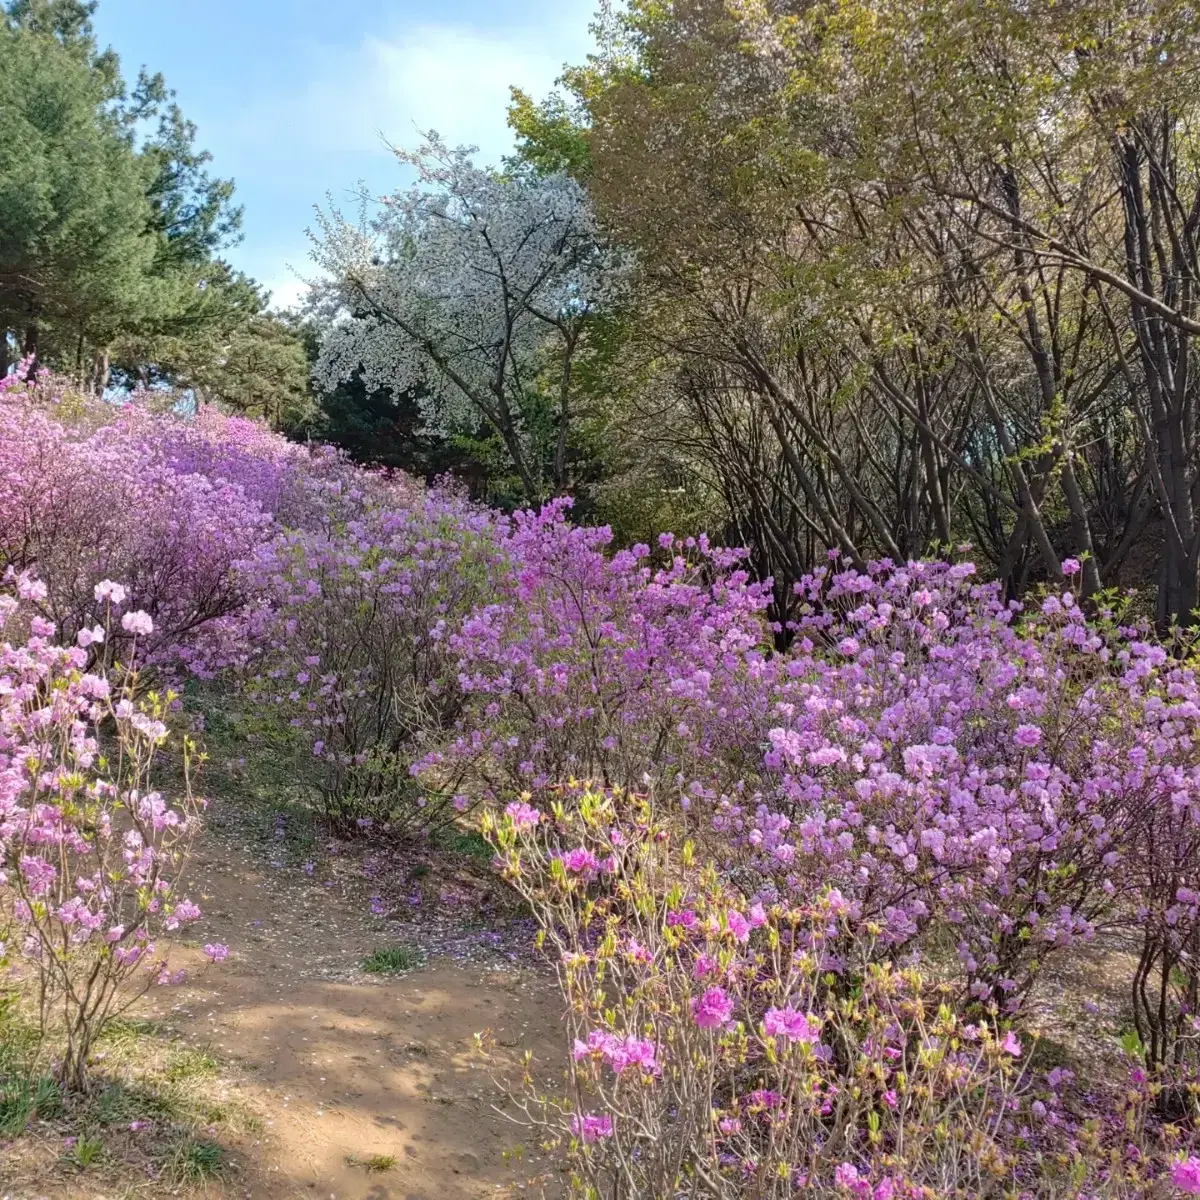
174	1096
191	1064
473	845
252	759
391	960
26	1092
86	1151
24	1098
196	1160
124	1033
377	1164
116	1105
18	1036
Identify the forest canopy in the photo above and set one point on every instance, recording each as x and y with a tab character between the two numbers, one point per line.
112	229
871	279
909	275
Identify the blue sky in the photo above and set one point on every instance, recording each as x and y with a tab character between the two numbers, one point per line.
295	97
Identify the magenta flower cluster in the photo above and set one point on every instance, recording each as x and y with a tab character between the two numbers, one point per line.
1014	776
83	504
347	645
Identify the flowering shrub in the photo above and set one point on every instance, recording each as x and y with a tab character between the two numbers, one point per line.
1020	779
907	812
79	506
90	852
170	504
299	487
724	1046
945	759
352	648
600	665
953	764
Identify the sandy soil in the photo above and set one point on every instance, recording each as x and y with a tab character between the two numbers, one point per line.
341	1065
345	1065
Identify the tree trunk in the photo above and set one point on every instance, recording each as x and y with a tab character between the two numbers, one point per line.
1165	352
29	349
101	372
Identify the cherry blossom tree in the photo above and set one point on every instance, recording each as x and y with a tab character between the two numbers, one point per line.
476	289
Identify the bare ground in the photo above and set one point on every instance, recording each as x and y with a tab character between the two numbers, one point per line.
364	1086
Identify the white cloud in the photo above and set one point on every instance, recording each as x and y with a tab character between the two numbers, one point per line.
287	292
457	82
451	78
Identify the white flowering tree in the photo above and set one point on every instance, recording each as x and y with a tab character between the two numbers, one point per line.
476	289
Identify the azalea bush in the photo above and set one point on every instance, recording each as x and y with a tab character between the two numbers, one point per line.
298	486
984	786
350	648
171	503
1006	781
1015	780
91	852
83	501
726	1046
908	798
607	665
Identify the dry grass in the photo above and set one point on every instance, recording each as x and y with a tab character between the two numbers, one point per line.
159	1114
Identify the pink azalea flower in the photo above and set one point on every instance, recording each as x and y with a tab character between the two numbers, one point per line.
138	623
107	590
581	861
1185	1175
738	925
712	1009
592	1127
1027	736
790	1024
846	1176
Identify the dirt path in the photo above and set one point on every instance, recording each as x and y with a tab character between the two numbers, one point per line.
344	1065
